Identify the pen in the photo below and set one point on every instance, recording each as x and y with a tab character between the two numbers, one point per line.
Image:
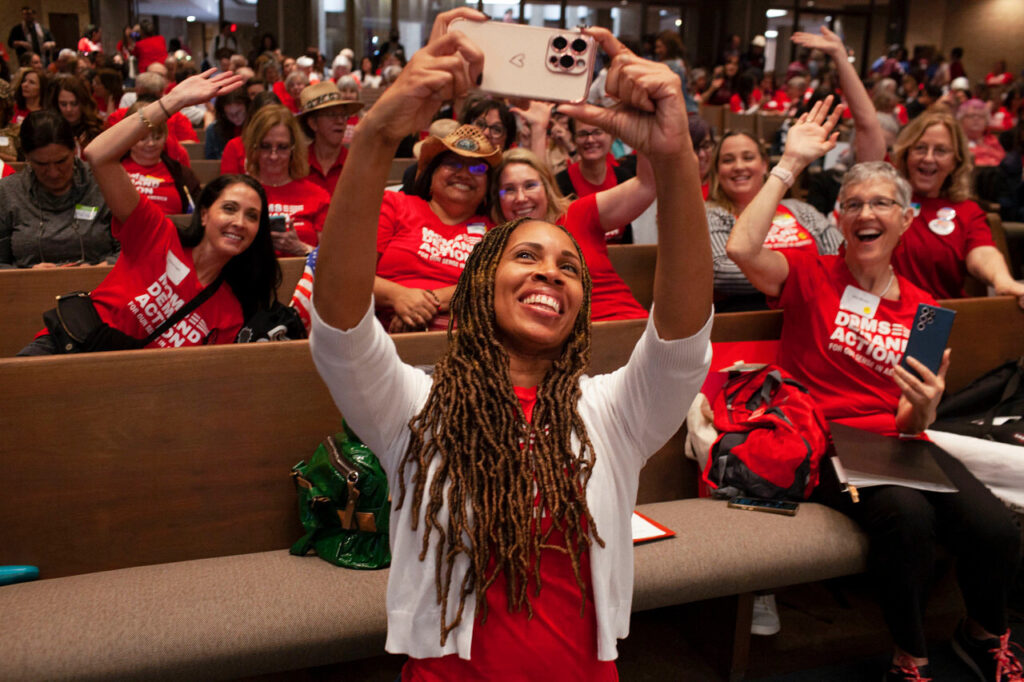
841	475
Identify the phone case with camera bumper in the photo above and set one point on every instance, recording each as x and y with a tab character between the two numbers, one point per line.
532	62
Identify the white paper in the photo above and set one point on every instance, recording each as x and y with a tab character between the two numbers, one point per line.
644	529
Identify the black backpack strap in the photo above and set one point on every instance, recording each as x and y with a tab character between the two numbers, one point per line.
184	310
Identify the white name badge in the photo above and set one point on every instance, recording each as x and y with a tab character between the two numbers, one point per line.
4	140
859	302
479	229
83	212
176	270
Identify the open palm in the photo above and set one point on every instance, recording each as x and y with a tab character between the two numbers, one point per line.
812	135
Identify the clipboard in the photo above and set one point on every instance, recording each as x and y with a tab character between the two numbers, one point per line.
872	459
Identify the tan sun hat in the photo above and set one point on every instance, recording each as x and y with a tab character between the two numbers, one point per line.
442	127
324	95
466	140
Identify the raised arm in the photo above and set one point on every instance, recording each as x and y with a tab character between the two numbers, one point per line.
443	70
105	152
869	142
809	138
624	203
535	115
651	118
987	264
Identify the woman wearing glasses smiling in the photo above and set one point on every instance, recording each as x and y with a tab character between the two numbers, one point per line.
949	237
843	315
424	238
276	155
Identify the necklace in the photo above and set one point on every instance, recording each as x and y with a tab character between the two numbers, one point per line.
892	278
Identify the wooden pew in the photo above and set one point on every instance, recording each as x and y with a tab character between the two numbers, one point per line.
26	294
157	483
635	265
743	123
196	150
206	170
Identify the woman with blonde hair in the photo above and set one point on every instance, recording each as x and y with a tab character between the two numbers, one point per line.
276	155
525	187
950	236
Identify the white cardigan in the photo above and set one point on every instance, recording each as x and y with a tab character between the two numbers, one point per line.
629	414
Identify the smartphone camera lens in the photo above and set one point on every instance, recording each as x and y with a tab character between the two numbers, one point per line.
553	59
559	43
579	45
567	62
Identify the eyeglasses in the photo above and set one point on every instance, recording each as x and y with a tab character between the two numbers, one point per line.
333	112
495	129
877	204
282	149
456	164
937	152
584	134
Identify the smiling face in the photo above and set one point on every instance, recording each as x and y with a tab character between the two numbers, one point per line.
930	161
592	143
235	113
458	186
494	129
872	232
538	290
521	193
974	124
232	221
69	107
741	169
146	152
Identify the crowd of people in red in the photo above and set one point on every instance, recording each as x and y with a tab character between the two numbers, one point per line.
106	167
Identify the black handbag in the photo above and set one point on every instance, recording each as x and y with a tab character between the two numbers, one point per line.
76	327
990	407
278	323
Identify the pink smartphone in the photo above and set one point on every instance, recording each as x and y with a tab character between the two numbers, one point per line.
532	62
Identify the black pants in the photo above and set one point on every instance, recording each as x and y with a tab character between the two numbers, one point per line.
906	526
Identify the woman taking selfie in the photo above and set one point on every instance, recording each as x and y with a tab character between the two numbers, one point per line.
507	408
223	262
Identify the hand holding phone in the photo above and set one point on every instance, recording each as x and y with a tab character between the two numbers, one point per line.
928	337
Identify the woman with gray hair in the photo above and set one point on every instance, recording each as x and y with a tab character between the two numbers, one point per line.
974	118
846	319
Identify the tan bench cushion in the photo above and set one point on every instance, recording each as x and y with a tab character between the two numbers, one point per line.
266	612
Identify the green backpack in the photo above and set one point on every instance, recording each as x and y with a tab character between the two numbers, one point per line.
344	504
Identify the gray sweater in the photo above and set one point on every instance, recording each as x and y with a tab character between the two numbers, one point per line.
37	227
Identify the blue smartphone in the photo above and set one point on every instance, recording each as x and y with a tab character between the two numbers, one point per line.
928	337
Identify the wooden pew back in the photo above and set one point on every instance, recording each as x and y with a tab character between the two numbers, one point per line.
123	459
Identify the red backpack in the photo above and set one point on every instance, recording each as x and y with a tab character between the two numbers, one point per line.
772	436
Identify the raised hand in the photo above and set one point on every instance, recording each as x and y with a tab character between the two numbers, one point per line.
828	42
812	135
203	87
651	114
445	69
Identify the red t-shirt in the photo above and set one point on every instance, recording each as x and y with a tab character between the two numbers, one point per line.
778	102
787	234
583	187
932	253
177	125
417	250
1004	78
556	644
233	158
150	50
1001	120
610	299
156	184
153	278
326	180
844	358
286	99
306	205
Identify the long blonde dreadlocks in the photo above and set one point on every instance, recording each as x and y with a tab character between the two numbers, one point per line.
488	463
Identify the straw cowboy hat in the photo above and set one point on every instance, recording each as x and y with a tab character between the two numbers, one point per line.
466	140
325	95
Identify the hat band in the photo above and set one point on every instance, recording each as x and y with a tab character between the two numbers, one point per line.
322	99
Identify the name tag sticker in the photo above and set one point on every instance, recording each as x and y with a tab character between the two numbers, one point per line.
476	229
83	212
176	270
859	301
4	140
